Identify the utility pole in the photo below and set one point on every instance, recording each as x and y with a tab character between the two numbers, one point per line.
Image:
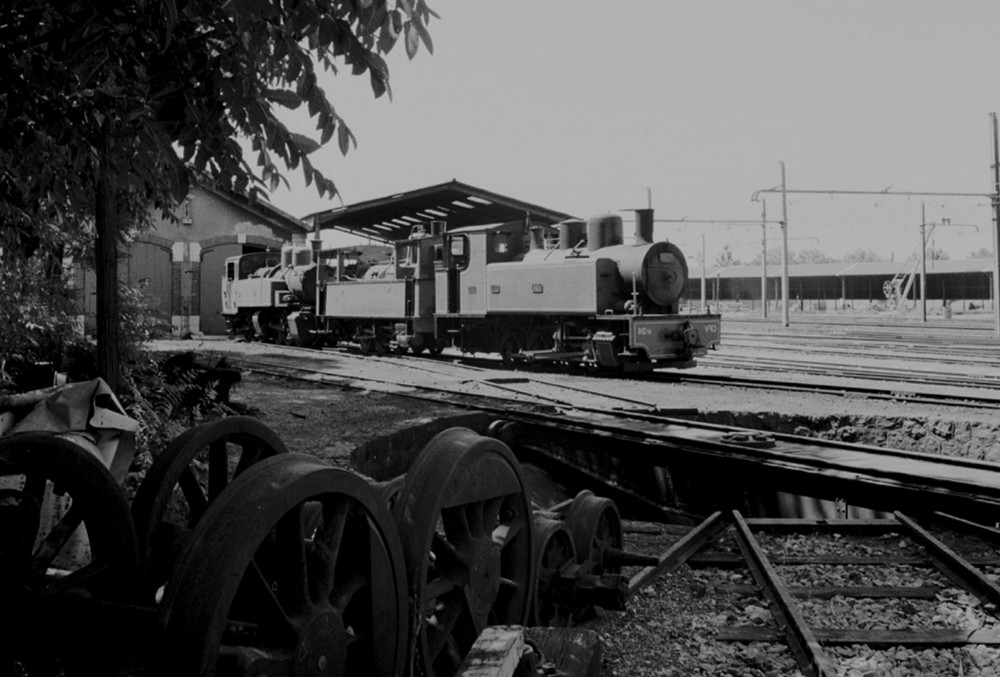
704	272
763	259
996	227
923	262
784	247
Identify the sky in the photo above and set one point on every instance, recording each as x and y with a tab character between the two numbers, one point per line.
588	107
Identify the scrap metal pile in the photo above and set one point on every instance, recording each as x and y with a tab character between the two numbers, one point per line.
237	557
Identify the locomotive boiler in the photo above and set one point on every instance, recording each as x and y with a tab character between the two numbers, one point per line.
573	292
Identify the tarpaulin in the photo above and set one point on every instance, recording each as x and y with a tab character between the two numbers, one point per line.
89	411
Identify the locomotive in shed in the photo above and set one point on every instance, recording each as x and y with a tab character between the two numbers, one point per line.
573	292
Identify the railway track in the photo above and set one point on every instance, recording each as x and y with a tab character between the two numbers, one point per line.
949	395
669	468
849	594
952	370
750	371
797	574
957	353
670	436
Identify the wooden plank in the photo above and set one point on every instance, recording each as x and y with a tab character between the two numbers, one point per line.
874	638
725	559
574	652
495	653
855	591
678	553
987	533
842	526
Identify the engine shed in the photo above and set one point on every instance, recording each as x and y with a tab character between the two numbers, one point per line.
960	285
455	204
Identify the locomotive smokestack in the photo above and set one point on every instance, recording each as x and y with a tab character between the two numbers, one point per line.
604	230
643	226
572	232
536	238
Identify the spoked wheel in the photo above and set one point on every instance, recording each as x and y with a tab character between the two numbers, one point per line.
283	334
465	522
52	491
537	339
184	479
554	553
374	343
296	570
596	527
510	344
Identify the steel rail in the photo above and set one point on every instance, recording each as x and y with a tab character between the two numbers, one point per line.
877	477
805	647
969	382
838	389
951	564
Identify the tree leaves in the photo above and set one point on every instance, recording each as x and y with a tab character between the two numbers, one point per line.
304	143
345	137
285	97
182	81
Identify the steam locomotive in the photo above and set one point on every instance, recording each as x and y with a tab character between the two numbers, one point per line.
573	292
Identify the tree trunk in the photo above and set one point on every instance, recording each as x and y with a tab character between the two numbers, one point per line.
106	266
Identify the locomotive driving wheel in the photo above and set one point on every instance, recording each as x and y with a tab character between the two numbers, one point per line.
465	522
50	488
510	343
596	528
184	479
295	570
538	339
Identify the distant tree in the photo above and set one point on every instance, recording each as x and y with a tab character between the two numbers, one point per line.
726	258
862	256
936	254
108	106
773	257
810	256
982	253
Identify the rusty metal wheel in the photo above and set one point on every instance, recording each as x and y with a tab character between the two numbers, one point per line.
184	479
596	527
554	555
52	489
295	570
465	522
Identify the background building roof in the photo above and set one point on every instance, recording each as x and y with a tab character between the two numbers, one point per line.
846	269
392	218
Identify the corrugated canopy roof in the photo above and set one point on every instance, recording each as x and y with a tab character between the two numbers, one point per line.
458	204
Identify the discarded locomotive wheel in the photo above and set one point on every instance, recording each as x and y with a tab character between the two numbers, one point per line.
184	479
50	487
554	555
465	522
596	527
295	570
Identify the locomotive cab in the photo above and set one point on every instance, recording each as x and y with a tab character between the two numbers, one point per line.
461	261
